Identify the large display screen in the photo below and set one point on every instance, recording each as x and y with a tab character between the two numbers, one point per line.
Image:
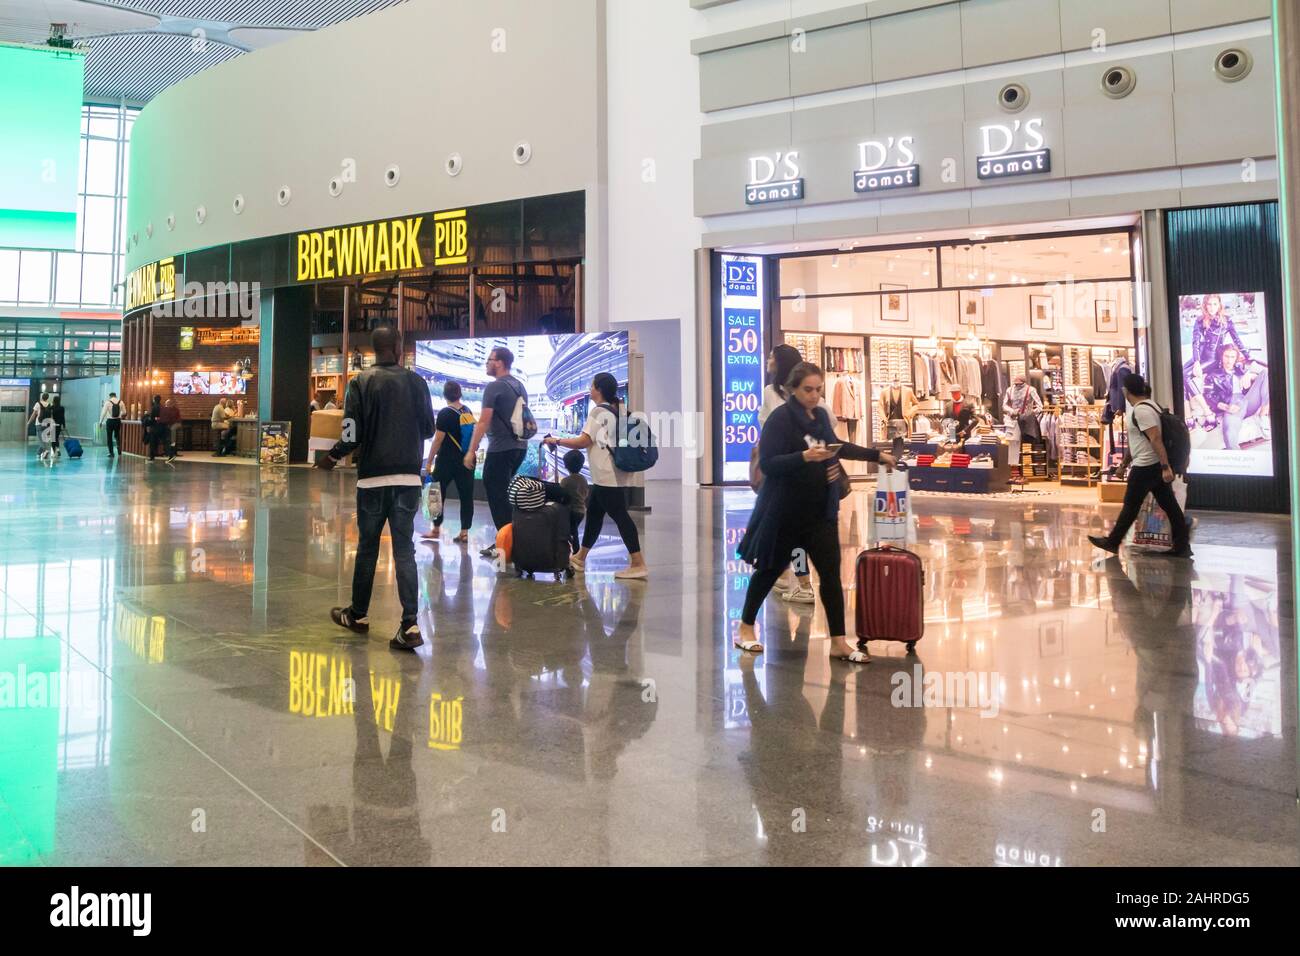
208	383
741	355
556	370
40	144
1225	383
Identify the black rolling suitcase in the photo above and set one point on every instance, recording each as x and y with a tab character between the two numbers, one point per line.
541	540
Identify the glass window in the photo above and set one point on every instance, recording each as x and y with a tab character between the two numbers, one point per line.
34	277
97	224
67	283
97	280
8	275
103	123
96	174
101	167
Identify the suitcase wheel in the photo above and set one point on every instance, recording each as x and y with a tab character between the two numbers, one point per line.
911	647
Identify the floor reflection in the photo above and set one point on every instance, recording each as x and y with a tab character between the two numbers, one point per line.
171	692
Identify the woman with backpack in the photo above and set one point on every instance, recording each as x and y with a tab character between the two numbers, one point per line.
453	429
608	484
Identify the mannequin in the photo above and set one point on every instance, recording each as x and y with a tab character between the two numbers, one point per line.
897	403
846	406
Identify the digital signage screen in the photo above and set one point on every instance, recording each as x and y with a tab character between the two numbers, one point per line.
556	371
741	358
208	383
40	144
1225	383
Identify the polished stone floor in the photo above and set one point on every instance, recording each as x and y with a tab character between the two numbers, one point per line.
171	692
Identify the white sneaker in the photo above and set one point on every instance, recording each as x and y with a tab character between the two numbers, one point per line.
800	595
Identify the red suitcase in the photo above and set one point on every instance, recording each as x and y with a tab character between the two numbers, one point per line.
890	605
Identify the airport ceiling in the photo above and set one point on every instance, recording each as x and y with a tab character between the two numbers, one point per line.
135	49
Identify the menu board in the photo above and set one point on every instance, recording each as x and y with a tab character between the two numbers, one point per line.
740	348
273	443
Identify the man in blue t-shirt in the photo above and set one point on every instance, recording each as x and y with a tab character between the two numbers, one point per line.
505	451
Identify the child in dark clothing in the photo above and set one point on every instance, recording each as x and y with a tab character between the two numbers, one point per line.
578	490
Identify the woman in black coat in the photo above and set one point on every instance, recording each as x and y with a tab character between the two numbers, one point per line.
798	506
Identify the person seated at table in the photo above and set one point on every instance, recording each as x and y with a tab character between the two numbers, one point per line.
224	427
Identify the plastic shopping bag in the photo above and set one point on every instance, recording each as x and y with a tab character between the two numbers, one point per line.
431	500
890	520
1151	530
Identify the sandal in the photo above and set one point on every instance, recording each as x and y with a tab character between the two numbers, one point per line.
462	538
853	657
749	647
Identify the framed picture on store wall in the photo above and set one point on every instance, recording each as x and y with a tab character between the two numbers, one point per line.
1107	320
1041	314
893	302
970	307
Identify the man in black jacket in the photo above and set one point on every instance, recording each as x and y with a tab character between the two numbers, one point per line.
387	418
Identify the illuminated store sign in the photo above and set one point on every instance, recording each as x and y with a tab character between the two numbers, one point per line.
187	338
240	335
155	282
391	245
1000	159
450	238
764	186
874	175
740	344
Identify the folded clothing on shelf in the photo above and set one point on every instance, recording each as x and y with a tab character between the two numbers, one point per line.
960	461
982	461
924	461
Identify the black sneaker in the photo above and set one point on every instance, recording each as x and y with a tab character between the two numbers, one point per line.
1099	542
408	637
489	552
346	617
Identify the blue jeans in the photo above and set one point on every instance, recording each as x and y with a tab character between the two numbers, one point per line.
395	505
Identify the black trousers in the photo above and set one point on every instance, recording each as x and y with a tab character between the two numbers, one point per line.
498	468
463	479
612	502
1145	480
395	506
113	434
821	541
575	521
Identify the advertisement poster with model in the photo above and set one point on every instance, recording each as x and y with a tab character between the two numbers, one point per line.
1238	654
1225	383
555	370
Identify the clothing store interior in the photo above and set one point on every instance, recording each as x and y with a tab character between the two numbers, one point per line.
984	363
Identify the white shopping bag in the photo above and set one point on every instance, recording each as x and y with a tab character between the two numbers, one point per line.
890	521
431	500
1151	530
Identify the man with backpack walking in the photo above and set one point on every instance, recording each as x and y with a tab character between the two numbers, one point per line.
508	424
110	417
1160	449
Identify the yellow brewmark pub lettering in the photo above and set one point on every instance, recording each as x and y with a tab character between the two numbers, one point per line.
450	238
154	282
391	245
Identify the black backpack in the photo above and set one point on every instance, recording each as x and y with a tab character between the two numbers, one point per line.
1174	436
